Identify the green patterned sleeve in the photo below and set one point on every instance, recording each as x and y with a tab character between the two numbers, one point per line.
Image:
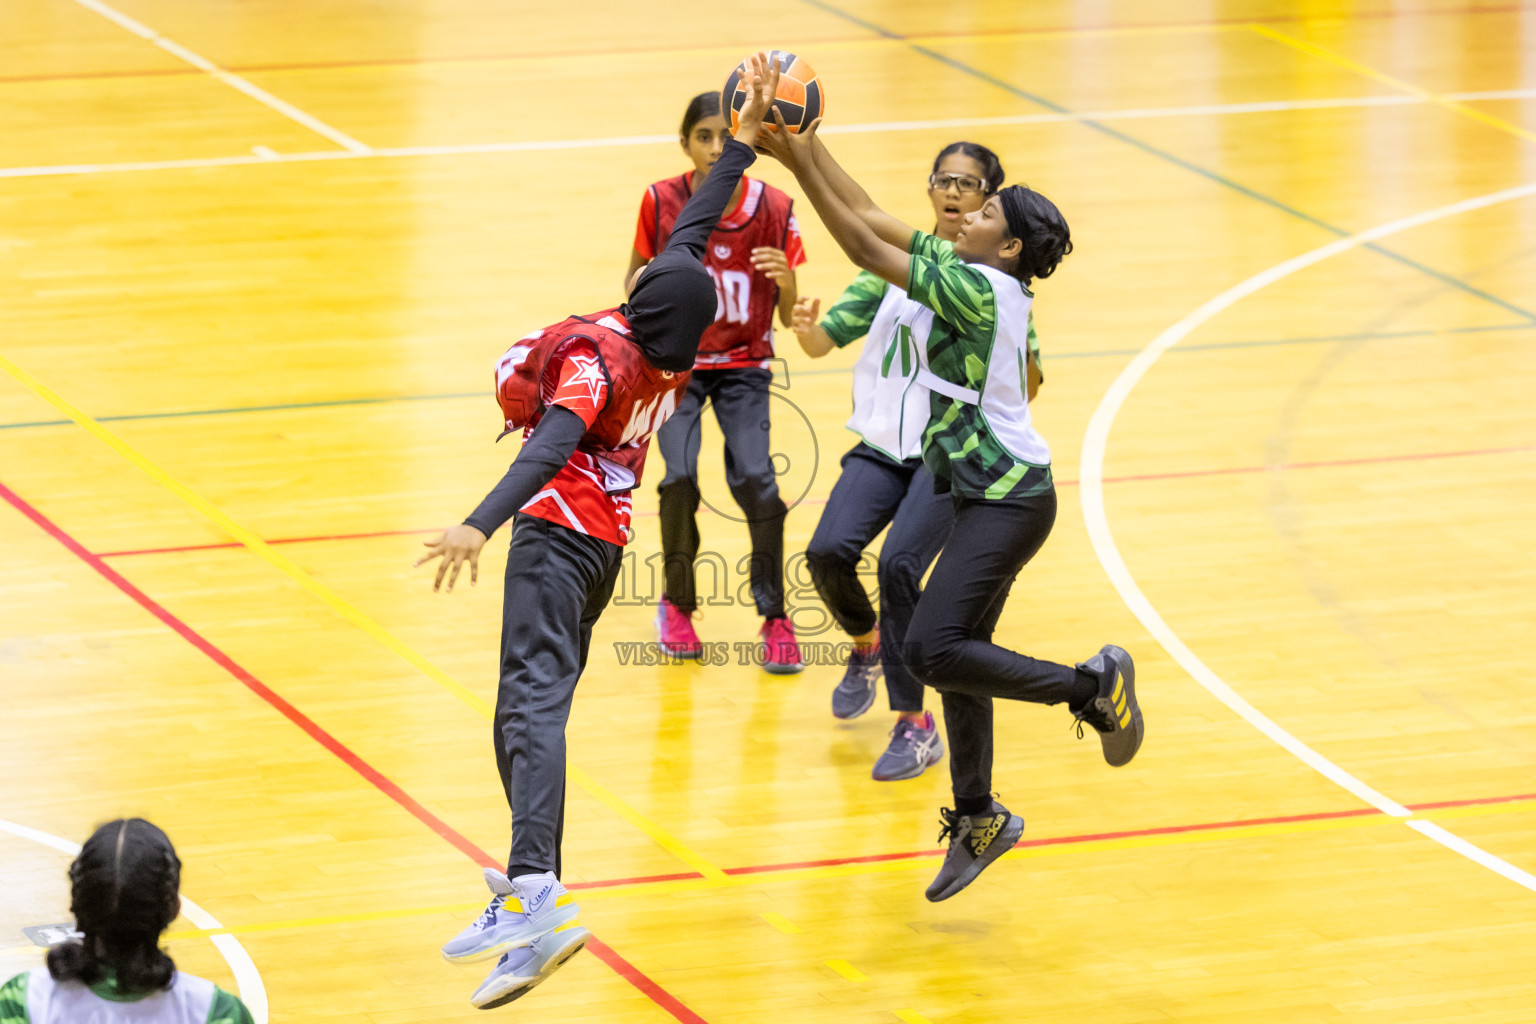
932	247
226	1009
851	315
957	292
13	1001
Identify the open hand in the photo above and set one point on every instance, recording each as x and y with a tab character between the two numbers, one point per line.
774	264
762	83
804	320
456	545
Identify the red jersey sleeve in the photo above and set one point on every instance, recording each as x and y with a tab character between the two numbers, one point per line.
645	230
581	387
794	247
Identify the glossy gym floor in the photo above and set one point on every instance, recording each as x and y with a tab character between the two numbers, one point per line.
257	260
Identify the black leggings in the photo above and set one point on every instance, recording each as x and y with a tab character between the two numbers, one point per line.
873	490
558	583
741	401
950	640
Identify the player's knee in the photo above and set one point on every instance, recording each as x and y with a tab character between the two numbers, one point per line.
935	652
681	491
901	578
759	501
827	558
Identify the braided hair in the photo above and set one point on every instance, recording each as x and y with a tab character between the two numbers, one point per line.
123	893
1035	221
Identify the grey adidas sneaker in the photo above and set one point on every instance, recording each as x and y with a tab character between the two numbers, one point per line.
855	693
915	746
521	969
974	842
1114	713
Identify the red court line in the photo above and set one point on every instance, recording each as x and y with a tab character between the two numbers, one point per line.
877	858
1180	475
557	55
608	883
601	950
1211	826
1373	460
280	540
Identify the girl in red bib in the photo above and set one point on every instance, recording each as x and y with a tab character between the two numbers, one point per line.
588	392
752	255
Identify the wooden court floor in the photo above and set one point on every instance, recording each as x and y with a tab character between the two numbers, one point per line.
256	261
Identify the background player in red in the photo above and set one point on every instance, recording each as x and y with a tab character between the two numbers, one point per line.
591	390
752	256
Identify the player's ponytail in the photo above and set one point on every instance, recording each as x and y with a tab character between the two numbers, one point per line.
123	893
705	104
1035	221
991	166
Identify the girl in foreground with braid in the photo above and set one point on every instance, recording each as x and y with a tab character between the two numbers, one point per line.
123	892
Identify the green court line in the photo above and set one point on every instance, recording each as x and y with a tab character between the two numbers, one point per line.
1106	353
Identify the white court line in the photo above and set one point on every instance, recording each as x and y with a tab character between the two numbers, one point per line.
234	81
247	979
1091	487
613	142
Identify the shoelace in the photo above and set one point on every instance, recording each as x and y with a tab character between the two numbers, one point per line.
1091	715
952	827
489	917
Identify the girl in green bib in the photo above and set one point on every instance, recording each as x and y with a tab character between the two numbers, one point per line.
983	449
123	893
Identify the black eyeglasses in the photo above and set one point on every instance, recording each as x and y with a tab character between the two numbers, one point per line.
962	182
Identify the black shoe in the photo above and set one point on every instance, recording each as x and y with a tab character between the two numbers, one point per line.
1114	713
974	842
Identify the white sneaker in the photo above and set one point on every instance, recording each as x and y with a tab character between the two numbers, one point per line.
502	927
521	969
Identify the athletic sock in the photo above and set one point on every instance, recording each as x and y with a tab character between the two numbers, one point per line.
1084	690
519	870
973	807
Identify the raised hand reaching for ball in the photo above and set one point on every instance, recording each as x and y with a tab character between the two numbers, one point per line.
762	81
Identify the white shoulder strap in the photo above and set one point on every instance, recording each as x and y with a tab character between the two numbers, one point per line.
933	382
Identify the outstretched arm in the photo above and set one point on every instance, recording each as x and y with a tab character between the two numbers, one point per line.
704	209
867	248
890	229
784	147
550	447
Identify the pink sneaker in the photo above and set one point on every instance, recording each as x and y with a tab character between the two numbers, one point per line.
674	629
781	651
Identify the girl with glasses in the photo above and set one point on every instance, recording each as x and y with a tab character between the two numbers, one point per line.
982	448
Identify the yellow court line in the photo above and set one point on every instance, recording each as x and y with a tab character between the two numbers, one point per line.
832	871
340	605
912	1017
782	923
1312	49
847	970
662	838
